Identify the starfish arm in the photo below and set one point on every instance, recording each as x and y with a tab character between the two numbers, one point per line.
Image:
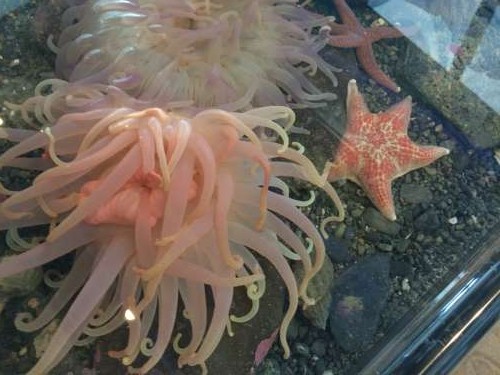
425	155
398	115
367	61
411	156
346	14
345	162
383	32
337	28
348	40
378	188
356	106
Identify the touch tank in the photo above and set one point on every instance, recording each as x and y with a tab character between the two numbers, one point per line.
408	226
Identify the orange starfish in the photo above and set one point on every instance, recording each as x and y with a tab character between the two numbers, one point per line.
351	34
376	149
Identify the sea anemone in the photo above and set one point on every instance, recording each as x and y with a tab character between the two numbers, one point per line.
230	54
158	204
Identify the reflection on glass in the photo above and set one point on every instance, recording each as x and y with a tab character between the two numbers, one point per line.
483	74
8	5
440	27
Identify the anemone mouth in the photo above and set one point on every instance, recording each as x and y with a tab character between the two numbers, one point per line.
158	204
227	54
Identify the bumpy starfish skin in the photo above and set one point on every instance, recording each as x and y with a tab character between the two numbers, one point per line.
351	34
376	149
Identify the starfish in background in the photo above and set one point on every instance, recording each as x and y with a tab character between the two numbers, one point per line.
351	34
376	149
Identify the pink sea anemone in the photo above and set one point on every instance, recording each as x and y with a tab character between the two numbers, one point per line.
158	204
230	54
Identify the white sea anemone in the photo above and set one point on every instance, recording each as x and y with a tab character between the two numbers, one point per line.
230	54
157	205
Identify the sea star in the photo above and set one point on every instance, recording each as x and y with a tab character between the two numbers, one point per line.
351	34
376	149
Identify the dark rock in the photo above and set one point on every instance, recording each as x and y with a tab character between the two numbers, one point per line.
337	250
428	221
402	269
359	297
375	220
293	330
461	160
320	288
302	349
303	331
350	233
20	284
318	347
402	245
270	366
320	367
413	194
385	247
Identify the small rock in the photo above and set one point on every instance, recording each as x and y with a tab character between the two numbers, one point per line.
385	247
402	269
270	366
428	221
320	289
461	161
302	350
375	220
405	285
318	347
319	366
337	250
402	245
21	283
357	212
339	232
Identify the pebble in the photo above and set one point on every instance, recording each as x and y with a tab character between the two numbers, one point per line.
461	161
339	232
402	245
270	366
405	285
357	212
385	247
302	349
428	221
320	366
318	347
375	220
